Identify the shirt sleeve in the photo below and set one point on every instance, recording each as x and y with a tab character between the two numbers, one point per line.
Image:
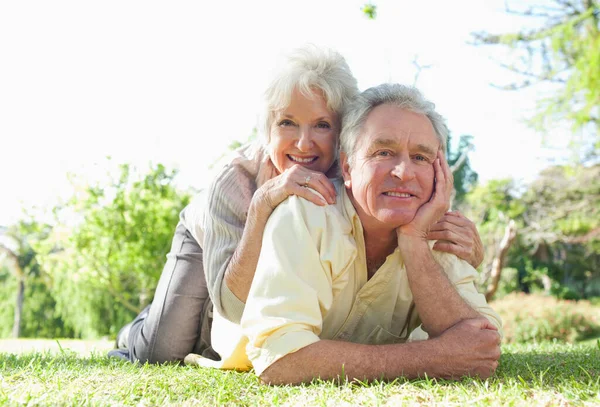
228	198
293	286
463	275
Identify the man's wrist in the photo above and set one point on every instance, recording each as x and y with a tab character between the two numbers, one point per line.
409	242
413	248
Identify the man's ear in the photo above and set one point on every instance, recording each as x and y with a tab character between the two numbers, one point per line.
345	165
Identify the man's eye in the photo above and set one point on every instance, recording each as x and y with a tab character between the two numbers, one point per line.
323	125
383	153
285	123
419	157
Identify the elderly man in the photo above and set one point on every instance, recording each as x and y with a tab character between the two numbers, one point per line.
354	288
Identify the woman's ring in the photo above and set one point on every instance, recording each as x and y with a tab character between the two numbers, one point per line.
306	181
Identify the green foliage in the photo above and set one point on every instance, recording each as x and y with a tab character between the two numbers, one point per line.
565	51
8	289
557	248
537	318
370	11
465	178
563	221
108	248
39	318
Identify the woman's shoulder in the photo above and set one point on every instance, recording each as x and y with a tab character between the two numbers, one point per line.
238	169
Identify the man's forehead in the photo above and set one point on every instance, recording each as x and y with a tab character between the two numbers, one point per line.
419	141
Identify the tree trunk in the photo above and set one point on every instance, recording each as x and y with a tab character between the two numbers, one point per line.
16	331
509	236
20	275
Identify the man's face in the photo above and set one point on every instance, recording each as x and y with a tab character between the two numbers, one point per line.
392	172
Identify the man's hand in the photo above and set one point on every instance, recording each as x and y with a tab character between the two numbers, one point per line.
470	348
437	205
457	235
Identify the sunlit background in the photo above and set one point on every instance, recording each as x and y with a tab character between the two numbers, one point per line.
177	82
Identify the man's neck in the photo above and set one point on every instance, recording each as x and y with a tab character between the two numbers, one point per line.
377	247
380	240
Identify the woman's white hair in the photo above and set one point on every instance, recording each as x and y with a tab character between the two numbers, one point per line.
405	97
308	69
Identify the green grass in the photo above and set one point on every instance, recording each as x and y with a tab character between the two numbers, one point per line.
531	375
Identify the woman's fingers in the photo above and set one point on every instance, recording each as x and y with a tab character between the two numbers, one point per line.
455	249
318	181
458	235
450	236
308	194
451	219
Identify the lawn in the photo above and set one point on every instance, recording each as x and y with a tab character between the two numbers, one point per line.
550	374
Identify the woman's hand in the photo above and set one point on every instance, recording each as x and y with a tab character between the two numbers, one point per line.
457	235
296	180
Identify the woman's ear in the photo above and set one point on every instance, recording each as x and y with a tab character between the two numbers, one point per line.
345	164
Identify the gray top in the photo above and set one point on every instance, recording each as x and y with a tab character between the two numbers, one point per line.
216	218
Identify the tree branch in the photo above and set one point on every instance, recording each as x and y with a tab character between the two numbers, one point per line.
461	160
13	258
510	233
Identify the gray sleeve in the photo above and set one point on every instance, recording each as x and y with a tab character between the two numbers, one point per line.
227	205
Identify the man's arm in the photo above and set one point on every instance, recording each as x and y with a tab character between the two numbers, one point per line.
469	348
438	303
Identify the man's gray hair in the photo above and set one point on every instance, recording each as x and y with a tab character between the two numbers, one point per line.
308	69
405	97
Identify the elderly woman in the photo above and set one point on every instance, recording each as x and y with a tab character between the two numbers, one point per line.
218	239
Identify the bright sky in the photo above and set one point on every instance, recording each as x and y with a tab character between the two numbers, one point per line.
176	82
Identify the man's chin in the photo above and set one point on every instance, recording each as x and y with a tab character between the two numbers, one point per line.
396	219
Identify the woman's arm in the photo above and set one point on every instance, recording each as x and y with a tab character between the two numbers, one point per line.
231	247
241	268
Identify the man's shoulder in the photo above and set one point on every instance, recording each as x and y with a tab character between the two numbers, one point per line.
317	216
454	266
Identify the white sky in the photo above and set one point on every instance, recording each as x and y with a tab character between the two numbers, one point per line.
176	82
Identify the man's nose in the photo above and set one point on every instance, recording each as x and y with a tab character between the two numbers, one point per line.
305	139
403	170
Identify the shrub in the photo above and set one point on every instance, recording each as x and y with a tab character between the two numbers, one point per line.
536	318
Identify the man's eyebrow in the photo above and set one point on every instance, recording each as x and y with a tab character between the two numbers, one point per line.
384	142
426	149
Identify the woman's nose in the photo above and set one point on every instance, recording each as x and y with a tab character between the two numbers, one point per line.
305	139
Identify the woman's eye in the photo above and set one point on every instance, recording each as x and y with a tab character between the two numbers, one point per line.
285	123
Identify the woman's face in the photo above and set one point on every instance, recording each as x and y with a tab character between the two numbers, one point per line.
304	133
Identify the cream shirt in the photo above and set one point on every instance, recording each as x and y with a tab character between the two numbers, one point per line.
311	284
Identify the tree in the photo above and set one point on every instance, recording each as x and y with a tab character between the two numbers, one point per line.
465	178
32	305
14	264
496	209
549	231
562	232
565	52
108	247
